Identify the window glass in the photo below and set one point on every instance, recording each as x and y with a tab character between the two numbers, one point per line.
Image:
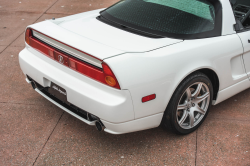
165	16
197	8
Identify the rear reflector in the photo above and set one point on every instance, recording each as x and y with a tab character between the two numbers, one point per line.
148	98
104	75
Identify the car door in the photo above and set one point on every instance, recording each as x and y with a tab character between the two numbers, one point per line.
241	11
245	39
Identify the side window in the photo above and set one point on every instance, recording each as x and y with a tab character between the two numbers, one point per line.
241	9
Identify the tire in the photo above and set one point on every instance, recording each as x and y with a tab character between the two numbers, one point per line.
189	105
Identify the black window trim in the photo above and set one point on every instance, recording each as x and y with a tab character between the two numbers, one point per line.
128	29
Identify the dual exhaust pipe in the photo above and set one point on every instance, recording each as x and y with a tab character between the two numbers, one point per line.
35	85
98	124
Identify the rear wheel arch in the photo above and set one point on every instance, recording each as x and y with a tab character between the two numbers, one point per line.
213	78
202	76
211	74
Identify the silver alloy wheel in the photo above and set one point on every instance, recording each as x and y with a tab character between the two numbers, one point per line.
193	105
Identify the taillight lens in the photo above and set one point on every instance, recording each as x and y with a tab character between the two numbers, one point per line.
110	78
104	75
28	34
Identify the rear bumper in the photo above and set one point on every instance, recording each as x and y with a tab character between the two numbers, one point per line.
107	103
112	128
113	107
134	125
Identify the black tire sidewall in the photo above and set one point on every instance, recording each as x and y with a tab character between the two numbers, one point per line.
170	113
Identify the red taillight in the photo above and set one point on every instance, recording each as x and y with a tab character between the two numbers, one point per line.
148	98
28	34
86	69
104	75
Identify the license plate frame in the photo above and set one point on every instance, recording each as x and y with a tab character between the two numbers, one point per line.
58	92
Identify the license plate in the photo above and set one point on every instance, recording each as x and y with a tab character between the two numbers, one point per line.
58	92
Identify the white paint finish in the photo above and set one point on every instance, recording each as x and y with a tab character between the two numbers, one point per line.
89	46
96	98
246	57
103	33
140	72
28	81
237	67
46	82
163	69
65	109
58	21
67	49
232	90
132	126
245	36
97	38
228	19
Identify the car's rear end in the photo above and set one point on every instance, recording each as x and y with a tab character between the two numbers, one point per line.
79	83
104	66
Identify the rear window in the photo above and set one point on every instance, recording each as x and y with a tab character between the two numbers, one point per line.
170	18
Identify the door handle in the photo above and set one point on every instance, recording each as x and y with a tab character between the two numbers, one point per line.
248	40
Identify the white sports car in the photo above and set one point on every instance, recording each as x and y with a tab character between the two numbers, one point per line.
141	63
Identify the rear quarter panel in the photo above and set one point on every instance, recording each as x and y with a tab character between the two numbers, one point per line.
161	71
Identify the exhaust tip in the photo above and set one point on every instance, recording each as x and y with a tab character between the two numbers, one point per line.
33	85
99	126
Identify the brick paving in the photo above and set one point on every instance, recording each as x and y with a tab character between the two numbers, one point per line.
35	132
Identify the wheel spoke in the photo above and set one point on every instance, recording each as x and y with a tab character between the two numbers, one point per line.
200	110
188	92
184	117
182	106
191	118
201	98
197	91
193	105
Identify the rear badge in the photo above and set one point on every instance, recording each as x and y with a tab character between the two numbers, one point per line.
59	90
60	59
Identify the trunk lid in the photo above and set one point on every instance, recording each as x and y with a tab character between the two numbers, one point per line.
84	32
